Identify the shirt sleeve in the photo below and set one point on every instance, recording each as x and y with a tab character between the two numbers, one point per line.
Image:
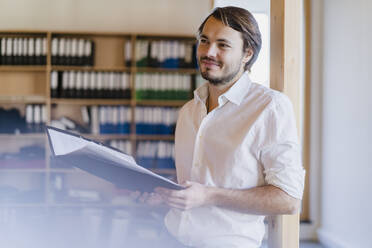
280	152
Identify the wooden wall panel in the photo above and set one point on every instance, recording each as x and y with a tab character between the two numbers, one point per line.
285	76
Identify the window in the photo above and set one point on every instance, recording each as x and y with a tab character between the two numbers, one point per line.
260	9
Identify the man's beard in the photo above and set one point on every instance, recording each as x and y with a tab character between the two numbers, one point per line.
218	80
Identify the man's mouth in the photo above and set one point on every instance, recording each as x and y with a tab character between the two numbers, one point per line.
210	63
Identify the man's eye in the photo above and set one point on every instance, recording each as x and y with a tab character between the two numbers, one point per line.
224	45
203	41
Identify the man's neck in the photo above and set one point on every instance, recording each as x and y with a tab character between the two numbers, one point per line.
216	90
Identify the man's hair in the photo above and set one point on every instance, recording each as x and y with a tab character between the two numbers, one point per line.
242	21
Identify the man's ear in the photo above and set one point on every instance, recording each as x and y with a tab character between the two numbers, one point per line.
247	55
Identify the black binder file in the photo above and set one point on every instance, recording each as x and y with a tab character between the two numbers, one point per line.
103	161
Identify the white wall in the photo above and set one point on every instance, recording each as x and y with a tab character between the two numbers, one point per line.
254	6
137	16
346	142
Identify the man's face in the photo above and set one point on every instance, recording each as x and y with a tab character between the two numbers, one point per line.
220	53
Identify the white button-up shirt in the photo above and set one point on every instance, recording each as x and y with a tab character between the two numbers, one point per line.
249	140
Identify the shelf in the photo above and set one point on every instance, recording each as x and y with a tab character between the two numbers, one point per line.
66	170
23	68
167	70
150	36
162	103
23	99
126	69
164	171
22	205
72	205
68	101
22	136
108	136
60	170
89	204
155	137
91	68
24	32
39	170
127	206
84	33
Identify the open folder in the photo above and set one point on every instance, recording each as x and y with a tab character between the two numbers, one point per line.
104	162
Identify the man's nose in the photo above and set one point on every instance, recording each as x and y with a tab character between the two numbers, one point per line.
212	50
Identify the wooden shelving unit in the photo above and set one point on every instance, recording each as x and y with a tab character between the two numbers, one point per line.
154	137
87	102
23	99
166	70
20	68
31	84
23	136
91	68
24	170
163	103
110	136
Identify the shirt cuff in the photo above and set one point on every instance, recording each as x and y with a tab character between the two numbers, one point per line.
290	180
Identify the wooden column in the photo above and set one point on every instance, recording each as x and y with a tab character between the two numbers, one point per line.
285	76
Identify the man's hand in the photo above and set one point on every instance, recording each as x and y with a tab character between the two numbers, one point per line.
261	200
151	199
195	195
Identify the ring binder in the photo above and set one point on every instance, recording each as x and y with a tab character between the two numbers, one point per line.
103	161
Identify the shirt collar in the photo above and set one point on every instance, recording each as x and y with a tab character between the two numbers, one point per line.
235	94
201	93
238	90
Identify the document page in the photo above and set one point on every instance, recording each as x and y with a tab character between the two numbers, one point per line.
63	143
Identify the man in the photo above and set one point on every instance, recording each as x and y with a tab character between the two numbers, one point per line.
237	151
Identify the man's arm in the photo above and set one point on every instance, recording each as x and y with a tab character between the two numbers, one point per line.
262	200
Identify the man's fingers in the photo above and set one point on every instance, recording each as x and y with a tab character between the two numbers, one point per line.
187	184
154	199
175	205
170	193
135	194
162	191
143	197
175	201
